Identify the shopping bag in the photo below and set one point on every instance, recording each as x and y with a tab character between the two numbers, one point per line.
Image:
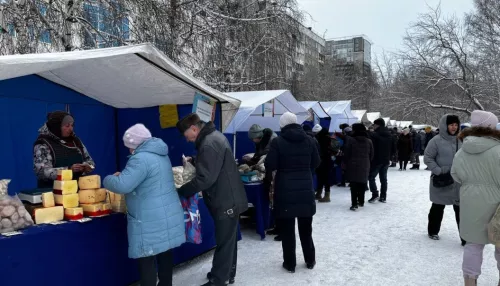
192	219
13	214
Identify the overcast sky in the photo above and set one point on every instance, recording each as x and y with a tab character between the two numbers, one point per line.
383	21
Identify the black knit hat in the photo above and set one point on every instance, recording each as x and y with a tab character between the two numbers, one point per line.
452	119
55	121
380	122
188	121
343	126
358	128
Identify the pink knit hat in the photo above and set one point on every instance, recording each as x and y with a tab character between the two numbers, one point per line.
482	118
135	136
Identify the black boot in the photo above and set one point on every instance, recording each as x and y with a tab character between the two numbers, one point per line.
210	278
373	199
289	269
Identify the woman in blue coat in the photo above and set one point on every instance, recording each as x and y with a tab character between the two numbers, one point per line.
155	215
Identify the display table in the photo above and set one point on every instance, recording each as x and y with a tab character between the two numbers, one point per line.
259	198
91	253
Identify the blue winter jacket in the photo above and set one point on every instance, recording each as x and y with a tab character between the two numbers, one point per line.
155	215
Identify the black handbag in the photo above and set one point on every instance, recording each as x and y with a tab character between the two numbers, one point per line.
443	180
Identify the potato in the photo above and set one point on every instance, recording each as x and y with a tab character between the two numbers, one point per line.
8	211
14	218
6	223
22	211
7	229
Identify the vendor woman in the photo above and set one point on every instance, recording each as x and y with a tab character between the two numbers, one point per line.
58	148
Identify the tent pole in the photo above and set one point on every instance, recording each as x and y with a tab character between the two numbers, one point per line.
234	145
117	141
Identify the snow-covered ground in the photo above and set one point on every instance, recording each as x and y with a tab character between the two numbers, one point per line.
380	244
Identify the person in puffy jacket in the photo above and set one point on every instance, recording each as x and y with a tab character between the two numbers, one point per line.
476	167
438	157
155	215
294	156
405	149
358	155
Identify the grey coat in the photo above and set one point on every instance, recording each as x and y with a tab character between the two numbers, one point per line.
438	157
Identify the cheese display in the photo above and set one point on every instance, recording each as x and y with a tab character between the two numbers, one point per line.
73	213
92	196
65	187
98	209
64	175
48	215
13	214
48	200
117	202
67	201
89	182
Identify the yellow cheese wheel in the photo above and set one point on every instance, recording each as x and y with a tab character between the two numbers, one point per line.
48	215
65	187
48	200
89	182
64	175
92	196
67	201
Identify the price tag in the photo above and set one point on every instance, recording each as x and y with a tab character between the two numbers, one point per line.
85	219
57	222
12	233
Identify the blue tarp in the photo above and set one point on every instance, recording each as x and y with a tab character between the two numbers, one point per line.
24	104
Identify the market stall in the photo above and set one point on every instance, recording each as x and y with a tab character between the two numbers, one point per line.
339	112
106	91
371	117
359	114
318	114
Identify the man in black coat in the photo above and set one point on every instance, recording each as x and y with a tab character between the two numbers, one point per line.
217	177
294	156
384	147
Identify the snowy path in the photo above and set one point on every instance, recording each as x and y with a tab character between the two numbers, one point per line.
380	244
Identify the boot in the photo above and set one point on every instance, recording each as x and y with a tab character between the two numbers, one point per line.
318	194
326	198
470	282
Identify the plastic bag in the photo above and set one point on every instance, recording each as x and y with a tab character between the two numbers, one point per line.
192	219
13	214
189	171
494	228
177	171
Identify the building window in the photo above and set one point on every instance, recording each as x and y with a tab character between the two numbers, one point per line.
111	22
44	34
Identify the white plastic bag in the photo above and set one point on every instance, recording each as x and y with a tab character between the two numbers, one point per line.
13	214
189	171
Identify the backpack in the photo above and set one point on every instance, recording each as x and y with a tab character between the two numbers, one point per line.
192	218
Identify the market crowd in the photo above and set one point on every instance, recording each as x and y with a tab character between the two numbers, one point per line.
463	163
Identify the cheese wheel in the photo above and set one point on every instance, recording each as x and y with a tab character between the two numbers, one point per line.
98	209
48	200
65	187
114	197
64	175
73	213
67	201
92	196
119	206
48	215
89	182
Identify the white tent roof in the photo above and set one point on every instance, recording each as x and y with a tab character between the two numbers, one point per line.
372	116
392	123
124	77
250	111
340	112
358	114
316	108
405	124
386	119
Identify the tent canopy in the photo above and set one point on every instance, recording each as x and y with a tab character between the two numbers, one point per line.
387	120
251	112
141	75
316	108
372	116
359	114
392	123
340	112
405	124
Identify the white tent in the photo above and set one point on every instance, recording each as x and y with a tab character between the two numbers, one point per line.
359	114
393	123
387	120
340	112
316	107
141	75
371	117
405	124
251	109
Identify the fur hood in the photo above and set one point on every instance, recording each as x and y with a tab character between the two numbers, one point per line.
479	139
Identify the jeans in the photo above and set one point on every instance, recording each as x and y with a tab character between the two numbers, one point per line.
473	259
287	233
147	269
381	171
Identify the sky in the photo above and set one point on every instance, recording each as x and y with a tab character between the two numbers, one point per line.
383	21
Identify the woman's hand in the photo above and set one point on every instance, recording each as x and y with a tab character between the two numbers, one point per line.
77	168
117	174
87	168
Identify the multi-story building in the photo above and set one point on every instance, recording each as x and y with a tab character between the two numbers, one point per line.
350	54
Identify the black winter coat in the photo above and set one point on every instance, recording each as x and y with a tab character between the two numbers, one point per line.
358	154
384	146
217	175
325	148
405	147
294	156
